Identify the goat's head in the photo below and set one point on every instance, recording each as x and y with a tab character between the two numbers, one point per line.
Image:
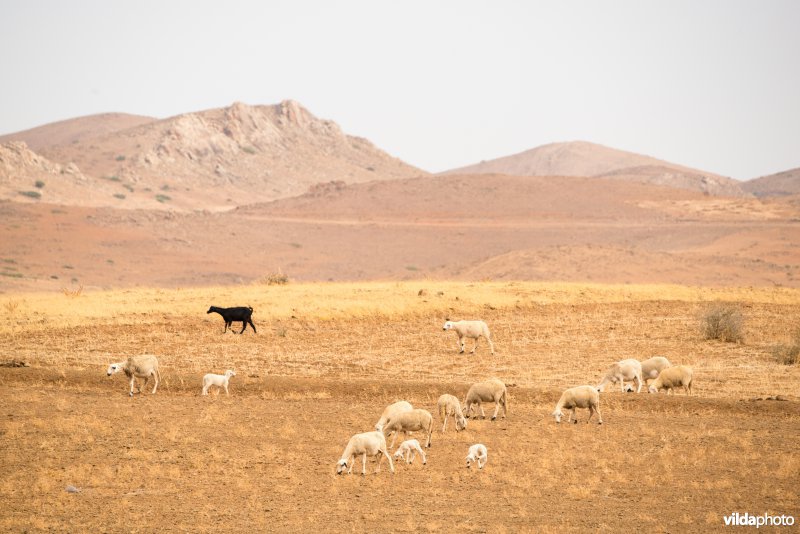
114	368
211	309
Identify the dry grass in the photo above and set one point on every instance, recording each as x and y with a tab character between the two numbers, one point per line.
326	360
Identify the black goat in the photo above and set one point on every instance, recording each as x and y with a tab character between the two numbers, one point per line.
235	314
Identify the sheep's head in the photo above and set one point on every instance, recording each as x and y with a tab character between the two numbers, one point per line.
398	453
629	389
230	373
341	466
557	414
114	368
447	325
652	389
470	459
461	423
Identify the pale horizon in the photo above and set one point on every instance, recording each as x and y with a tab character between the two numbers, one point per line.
708	85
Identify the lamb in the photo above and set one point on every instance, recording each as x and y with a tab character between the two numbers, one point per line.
490	390
579	397
142	366
410	422
408	451
217	380
477	453
653	366
391	410
235	314
449	405
367	443
471	330
671	378
622	371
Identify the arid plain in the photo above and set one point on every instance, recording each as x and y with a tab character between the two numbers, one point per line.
124	252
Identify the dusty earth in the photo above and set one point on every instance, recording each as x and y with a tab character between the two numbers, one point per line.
448	227
325	361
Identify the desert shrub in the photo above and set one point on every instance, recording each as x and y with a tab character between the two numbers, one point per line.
275	279
119	196
163	198
113	178
788	354
31	194
724	323
120	158
39	184
249	149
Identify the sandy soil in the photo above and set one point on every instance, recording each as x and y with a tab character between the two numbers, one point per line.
324	363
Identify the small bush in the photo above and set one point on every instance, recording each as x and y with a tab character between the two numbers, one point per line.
120	158
788	354
114	178
31	194
724	323
129	187
275	279
163	198
39	184
119	196
249	149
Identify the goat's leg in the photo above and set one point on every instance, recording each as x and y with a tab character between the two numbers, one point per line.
227	324
252	326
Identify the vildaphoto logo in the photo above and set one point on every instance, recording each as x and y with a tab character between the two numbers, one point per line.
748	520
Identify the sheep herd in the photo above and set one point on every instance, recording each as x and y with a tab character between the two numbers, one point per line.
402	418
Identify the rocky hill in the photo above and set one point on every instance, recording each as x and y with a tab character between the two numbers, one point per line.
580	158
780	184
213	159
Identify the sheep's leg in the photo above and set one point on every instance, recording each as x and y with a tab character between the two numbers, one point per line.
599	415
573	415
638	380
156	379
496	409
410	456
391	464
226	389
591	413
483	414
424	458
475	346
364	464
394	437
351	461
445	423
133	379
461	345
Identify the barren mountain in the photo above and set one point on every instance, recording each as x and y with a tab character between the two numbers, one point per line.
214	159
75	130
580	158
780	184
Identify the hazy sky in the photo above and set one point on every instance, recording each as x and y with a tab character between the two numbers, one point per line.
707	84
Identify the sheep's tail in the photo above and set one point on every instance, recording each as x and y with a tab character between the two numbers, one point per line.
505	399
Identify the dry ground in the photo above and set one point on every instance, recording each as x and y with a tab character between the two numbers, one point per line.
328	357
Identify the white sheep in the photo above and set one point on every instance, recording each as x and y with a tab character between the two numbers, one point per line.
217	380
653	366
492	390
408	451
471	330
392	409
367	443
673	377
579	397
449	405
410	422
478	454
622	371
142	366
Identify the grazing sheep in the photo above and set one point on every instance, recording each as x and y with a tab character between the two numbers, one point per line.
410	422
653	366
368	443
392	409
622	371
579	397
217	380
235	314
671	378
471	330
142	366
478	454
449	405
493	390
408	451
